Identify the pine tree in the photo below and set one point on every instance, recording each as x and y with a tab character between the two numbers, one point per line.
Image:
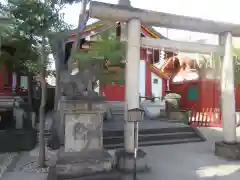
106	53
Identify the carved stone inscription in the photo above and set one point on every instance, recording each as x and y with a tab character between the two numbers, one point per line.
83	132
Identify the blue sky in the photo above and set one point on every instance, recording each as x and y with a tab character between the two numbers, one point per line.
220	10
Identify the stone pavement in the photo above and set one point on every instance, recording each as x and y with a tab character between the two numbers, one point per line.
188	162
24	176
5	160
193	161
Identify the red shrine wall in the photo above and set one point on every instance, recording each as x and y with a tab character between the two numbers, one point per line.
208	94
114	92
6	84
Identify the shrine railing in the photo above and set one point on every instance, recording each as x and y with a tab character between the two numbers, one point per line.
206	117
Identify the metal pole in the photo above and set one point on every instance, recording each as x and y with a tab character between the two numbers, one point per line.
135	150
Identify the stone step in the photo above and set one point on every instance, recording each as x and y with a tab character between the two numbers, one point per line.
117	110
149	137
118	118
116	102
118	113
156	143
117	133
117	105
107	133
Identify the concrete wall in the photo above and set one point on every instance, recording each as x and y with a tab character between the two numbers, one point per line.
142	78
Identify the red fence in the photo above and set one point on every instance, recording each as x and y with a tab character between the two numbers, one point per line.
205	110
208	117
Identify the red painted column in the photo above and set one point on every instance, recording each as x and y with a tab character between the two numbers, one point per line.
164	86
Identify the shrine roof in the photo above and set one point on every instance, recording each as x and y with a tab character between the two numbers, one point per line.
100	26
159	72
171	63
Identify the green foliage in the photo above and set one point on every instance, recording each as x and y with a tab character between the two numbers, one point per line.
216	64
107	51
33	19
4	26
107	48
19	55
236	54
66	1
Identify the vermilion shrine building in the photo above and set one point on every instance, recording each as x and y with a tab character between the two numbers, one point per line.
152	80
12	83
160	74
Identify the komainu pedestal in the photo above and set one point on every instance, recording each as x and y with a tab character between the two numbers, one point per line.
83	147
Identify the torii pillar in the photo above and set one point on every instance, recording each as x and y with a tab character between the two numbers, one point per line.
131	75
227	91
228	148
132	80
132	71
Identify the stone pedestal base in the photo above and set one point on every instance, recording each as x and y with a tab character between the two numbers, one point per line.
113	175
80	164
125	161
227	151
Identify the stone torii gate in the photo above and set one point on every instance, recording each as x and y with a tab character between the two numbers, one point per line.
134	17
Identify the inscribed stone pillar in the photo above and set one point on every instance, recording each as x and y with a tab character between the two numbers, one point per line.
82	126
83	153
132	79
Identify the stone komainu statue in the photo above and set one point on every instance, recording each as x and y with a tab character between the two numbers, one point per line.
71	85
80	84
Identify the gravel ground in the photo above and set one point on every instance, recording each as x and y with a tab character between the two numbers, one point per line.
33	167
26	165
29	161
